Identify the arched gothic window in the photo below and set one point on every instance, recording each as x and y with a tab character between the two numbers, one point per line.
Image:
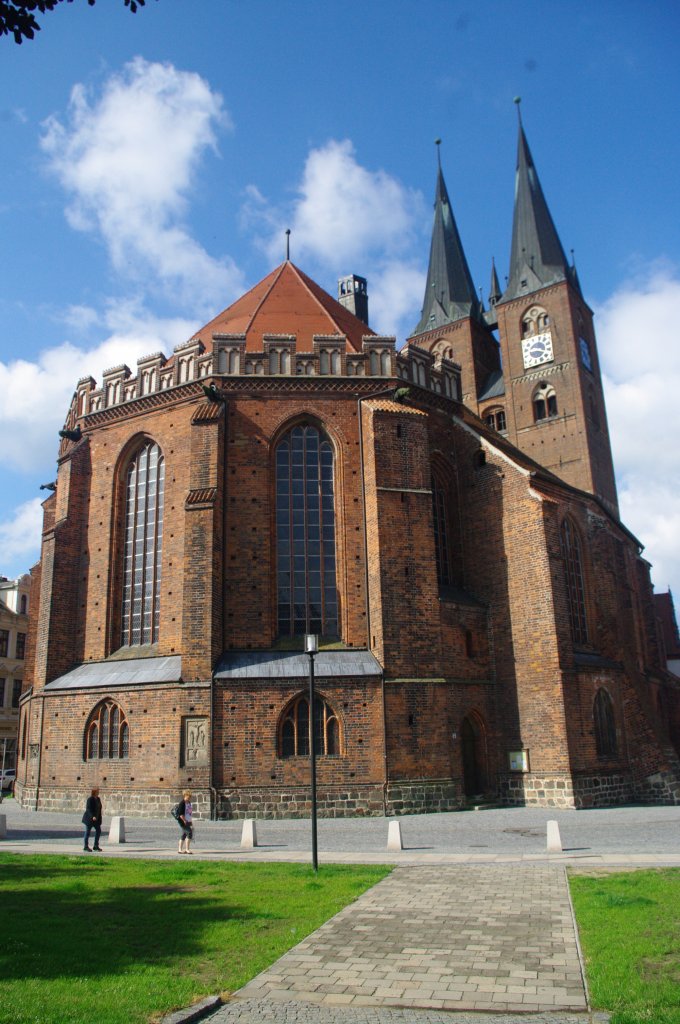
107	734
440	516
143	547
495	418
544	401
605	724
573	568
293	731
305	534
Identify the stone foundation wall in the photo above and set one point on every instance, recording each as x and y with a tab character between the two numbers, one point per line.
134	804
530	790
603	790
662	788
295	802
423	797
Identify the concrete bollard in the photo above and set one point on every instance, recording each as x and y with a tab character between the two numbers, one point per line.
3	826
394	836
117	830
248	835
554	841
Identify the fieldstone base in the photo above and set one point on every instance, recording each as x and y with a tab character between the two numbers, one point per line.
423	797
661	788
533	790
295	802
133	803
603	790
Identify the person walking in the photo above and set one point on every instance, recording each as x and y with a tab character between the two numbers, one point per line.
185	821
92	819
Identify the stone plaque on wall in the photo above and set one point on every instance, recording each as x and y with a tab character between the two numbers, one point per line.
195	742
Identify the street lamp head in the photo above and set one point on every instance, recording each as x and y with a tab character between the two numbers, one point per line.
311	643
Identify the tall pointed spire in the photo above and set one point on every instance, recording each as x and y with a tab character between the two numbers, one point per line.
537	258
449	292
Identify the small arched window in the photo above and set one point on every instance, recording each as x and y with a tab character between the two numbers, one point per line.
535	321
142	549
544	402
293	731
495	418
24	604
573	569
605	724
106	733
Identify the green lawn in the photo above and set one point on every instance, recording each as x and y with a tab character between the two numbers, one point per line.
629	925
125	941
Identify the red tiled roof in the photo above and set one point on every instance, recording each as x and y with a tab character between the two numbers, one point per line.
286	302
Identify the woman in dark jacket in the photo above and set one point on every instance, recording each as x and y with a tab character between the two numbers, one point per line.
92	819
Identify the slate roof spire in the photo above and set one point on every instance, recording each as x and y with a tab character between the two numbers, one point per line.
537	258
449	292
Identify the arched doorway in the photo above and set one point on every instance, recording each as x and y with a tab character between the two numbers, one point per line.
473	745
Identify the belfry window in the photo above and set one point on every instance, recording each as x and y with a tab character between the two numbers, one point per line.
544	402
573	568
143	547
305	534
495	419
605	724
107	734
293	731
440	516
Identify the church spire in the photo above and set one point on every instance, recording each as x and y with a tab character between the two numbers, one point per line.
449	292
537	258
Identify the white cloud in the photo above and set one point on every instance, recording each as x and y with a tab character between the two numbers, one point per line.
128	157
37	393
20	535
345	218
640	353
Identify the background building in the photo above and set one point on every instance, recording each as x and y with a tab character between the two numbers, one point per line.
443	517
14	610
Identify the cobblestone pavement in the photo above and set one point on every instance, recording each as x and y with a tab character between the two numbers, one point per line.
455	938
262	1012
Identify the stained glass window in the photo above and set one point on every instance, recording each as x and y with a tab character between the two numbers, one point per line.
106	733
294	729
143	547
573	567
305	534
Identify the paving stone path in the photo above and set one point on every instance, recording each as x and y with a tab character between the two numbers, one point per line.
475	938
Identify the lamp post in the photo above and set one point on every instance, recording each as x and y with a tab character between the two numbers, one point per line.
312	648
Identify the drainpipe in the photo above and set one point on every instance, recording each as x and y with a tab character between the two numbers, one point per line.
40	749
211	787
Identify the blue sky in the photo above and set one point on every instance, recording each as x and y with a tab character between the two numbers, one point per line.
153	162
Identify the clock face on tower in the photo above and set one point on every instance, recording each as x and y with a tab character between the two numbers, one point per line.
537	349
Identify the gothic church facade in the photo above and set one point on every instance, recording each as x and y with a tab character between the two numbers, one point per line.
443	517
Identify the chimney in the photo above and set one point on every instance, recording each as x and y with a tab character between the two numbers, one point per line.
352	294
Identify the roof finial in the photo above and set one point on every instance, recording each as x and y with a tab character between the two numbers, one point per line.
287	245
438	143
518	102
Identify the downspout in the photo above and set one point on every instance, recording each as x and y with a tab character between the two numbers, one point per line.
211	787
42	722
368	604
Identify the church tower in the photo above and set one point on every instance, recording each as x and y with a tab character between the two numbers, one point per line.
554	401
452	324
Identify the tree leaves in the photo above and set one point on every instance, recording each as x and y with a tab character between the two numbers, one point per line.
17	17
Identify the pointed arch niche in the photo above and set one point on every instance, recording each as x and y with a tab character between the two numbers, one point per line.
107	734
293	729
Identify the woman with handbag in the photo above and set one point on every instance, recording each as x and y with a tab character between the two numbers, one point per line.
184	819
92	819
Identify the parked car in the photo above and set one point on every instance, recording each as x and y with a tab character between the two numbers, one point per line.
7	778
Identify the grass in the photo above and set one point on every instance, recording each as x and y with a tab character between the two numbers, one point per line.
629	926
126	941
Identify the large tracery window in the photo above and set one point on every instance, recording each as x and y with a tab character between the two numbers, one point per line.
107	734
293	732
605	724
440	515
143	547
305	534
573	568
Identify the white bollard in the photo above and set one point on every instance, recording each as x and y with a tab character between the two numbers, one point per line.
117	830
3	826
554	841
394	836
248	835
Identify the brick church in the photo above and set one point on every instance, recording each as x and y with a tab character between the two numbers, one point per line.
443	517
